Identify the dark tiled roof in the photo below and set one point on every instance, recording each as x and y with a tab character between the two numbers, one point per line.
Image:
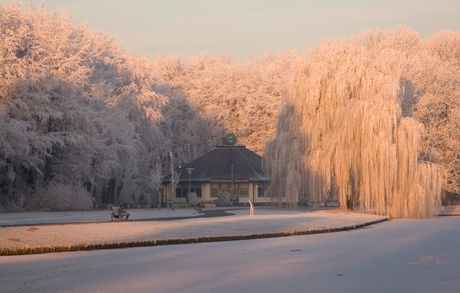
218	164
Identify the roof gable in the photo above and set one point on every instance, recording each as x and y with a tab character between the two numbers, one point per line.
218	164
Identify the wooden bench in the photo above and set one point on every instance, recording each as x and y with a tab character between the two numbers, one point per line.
119	214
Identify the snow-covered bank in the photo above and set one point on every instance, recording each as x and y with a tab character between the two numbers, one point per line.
77	236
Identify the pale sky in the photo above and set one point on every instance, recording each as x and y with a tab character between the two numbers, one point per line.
245	28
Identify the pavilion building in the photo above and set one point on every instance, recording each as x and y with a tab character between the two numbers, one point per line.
232	169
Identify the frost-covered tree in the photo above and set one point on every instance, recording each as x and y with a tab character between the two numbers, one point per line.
243	99
75	109
189	134
434	73
342	133
174	177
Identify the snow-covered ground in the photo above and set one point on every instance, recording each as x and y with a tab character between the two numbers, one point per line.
71	229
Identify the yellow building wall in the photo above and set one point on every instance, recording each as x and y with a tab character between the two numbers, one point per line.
205	191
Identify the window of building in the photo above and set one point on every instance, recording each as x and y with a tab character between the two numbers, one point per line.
261	186
197	189
179	193
216	188
182	190
241	189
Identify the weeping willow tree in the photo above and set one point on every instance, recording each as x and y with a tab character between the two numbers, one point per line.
343	135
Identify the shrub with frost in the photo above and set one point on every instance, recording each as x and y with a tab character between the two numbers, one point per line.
223	199
192	199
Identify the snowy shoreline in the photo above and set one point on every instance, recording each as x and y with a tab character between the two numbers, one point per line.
38	235
42	232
